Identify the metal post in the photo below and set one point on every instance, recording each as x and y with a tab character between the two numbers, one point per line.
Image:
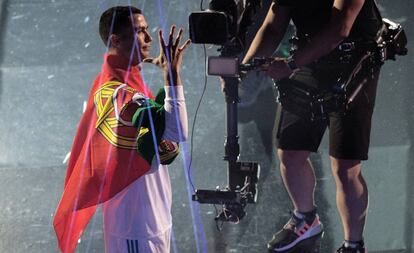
232	147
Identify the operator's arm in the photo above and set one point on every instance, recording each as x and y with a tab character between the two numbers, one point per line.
270	34
344	13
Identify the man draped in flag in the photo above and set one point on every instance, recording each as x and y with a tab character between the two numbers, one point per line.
125	139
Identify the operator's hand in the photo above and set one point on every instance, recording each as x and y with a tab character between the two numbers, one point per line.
278	69
170	57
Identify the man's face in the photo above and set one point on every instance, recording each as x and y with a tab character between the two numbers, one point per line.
139	35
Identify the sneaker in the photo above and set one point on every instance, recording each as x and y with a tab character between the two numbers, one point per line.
294	232
358	249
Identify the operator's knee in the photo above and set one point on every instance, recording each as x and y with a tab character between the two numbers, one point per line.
292	158
345	171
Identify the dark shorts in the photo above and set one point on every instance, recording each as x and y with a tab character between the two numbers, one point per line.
349	134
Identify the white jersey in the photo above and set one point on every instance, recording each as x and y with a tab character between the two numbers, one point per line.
143	209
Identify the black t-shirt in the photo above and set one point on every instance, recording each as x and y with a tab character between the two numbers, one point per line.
309	16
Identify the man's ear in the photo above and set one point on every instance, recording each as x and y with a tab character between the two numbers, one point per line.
114	40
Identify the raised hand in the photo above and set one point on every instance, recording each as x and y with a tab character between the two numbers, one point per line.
171	56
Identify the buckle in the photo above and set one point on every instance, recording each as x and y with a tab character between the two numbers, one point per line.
346	46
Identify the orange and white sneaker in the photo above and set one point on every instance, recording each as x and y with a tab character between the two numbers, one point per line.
294	232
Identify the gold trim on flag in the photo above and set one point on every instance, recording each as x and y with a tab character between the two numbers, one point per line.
107	123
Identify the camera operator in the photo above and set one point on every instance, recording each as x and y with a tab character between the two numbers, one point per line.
331	34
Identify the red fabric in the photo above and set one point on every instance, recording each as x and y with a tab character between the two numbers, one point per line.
97	169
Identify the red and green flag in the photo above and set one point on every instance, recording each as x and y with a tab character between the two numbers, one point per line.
106	155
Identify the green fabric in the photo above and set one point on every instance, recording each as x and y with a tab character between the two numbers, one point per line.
160	97
153	110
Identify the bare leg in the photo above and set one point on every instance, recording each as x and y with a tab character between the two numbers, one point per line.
351	197
299	178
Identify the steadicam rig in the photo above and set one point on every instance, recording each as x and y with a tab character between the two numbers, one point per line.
242	190
242	176
225	24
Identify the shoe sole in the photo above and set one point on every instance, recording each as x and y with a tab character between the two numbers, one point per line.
366	251
309	245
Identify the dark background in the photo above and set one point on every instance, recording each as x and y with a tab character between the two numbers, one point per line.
50	52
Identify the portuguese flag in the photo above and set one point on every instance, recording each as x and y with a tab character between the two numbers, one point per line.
106	156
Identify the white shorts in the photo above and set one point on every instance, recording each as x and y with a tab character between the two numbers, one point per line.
157	244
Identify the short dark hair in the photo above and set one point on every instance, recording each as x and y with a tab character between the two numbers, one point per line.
115	19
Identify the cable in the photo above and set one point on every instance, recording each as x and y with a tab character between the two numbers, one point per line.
195	115
195	119
218	227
